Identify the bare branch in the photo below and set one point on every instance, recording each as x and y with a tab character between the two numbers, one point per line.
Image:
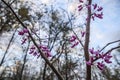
2	61
109	44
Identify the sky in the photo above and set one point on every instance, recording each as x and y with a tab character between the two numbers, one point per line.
108	29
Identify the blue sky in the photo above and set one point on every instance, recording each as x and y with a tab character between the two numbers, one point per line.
107	29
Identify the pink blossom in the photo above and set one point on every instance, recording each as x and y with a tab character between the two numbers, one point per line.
73	38
100	65
48	54
99	8
107	58
20	33
81	1
38	56
101	55
91	51
80	7
31	51
35	53
75	44
43	47
90	62
100	16
95	6
93	18
83	33
97	53
25	30
24	40
32	48
45	50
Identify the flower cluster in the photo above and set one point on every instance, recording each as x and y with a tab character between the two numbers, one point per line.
96	54
73	41
97	10
80	7
45	50
35	52
24	34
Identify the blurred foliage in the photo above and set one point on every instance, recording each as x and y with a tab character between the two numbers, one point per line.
8	21
113	74
23	12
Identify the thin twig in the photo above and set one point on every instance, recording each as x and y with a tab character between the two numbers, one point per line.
2	61
109	44
72	28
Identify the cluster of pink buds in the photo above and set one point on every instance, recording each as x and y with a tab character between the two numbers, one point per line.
97	12
73	41
33	50
23	33
95	55
80	7
44	49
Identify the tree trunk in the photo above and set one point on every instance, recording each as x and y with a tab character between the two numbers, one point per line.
87	38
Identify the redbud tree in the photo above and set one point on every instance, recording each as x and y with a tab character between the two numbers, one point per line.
92	56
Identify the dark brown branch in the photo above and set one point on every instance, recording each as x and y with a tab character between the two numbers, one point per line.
109	44
42	54
112	49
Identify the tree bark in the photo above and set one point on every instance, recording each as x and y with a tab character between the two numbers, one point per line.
87	38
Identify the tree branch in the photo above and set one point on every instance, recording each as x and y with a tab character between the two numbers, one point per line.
109	44
2	61
108	52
